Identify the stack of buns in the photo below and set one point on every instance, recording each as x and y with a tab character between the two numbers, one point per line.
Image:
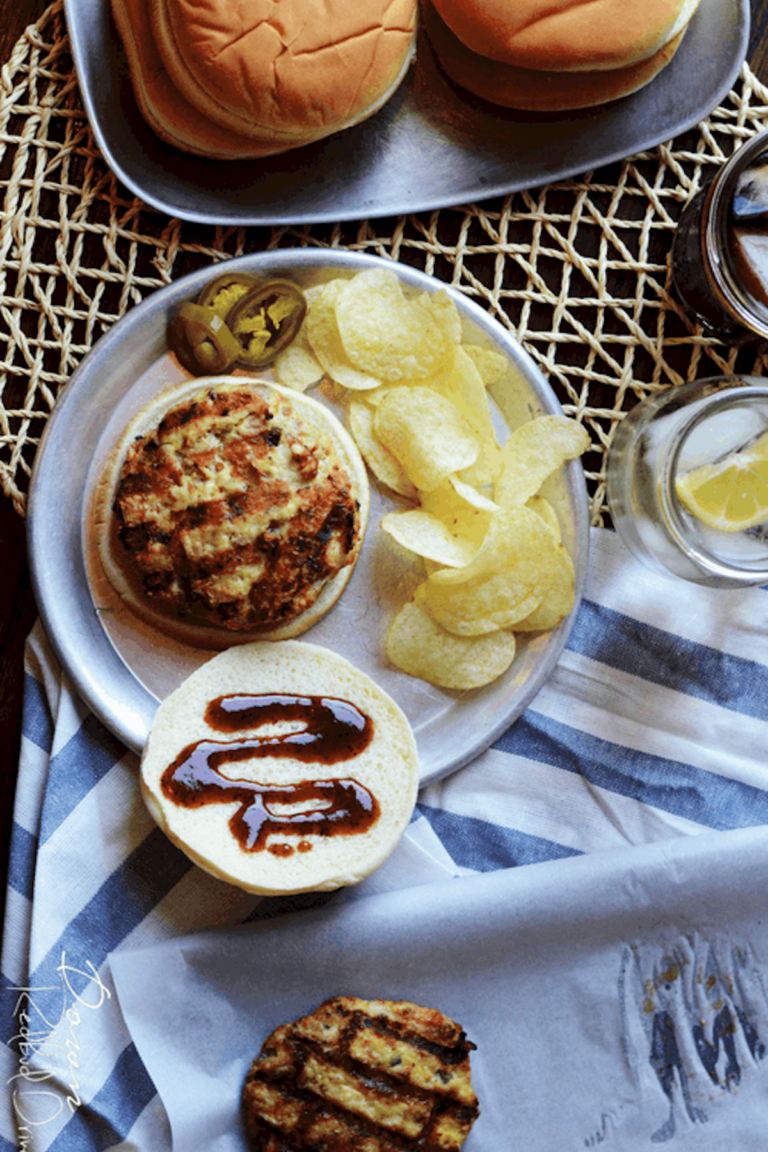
233	81
555	55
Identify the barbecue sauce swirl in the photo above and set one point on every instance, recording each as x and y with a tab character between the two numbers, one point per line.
332	731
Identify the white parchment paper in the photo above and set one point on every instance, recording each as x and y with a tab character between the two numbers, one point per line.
617	1000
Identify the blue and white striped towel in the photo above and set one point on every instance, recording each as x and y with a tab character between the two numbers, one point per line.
652	727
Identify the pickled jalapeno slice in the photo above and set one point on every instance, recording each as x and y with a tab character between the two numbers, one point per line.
202	340
224	291
265	320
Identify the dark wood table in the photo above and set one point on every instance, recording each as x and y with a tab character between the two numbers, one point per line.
17	607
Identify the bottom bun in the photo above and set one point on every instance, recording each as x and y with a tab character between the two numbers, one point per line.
281	768
528	90
256	546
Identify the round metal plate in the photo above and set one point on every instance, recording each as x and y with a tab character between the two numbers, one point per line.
121	668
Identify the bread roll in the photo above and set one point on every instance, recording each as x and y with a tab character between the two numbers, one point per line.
168	114
566	35
231	509
285	70
315	813
551	57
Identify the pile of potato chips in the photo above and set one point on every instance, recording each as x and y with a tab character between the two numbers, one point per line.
418	411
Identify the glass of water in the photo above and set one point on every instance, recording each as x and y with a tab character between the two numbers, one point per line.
661	439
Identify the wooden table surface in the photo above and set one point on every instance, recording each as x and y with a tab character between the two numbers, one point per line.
17	607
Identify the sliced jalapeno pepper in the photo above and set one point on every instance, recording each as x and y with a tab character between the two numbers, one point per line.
224	291
202	340
265	320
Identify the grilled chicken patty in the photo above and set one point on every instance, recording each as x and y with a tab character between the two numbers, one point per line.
235	509
362	1076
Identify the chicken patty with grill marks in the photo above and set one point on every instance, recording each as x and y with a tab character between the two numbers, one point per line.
238	508
362	1076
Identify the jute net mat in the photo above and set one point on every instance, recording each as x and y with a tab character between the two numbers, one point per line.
578	270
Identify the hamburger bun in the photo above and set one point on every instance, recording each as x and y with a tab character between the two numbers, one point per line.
275	816
288	72
543	57
377	1075
165	110
255	539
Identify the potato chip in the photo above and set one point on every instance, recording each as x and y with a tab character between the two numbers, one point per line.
297	366
511	532
426	433
532	452
426	536
470	495
460	517
374	396
382	463
544	509
491	365
558	601
446	313
504	583
462	384
385	333
419	646
325	341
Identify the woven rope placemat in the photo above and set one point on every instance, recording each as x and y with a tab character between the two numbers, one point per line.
578	270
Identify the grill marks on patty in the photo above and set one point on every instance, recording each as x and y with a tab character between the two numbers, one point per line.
235	510
362	1076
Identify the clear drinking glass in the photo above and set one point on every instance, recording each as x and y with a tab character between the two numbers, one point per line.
663	437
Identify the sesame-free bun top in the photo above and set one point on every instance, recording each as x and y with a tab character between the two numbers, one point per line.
566	35
309	818
164	108
292	69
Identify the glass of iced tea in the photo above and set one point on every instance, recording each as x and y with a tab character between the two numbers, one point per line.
687	481
720	248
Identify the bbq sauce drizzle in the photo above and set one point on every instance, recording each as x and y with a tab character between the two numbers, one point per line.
333	731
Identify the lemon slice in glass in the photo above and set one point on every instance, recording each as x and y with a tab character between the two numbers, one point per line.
731	494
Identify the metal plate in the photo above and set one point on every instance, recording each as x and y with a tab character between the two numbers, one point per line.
121	668
429	147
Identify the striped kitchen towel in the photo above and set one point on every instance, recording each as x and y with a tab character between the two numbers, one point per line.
652	727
